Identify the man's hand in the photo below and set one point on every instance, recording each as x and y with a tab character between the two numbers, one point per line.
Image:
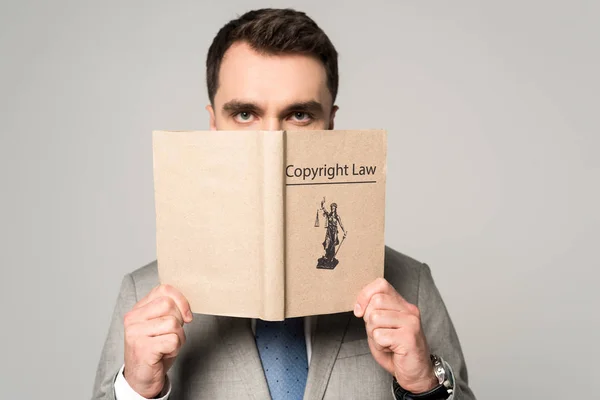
153	336
395	337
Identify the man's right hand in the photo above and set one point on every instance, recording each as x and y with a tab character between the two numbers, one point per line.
153	337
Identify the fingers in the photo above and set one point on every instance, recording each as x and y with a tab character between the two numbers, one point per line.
396	331
153	324
389	319
158	327
154	336
384	338
159	307
380	301
395	335
152	350
366	295
381	319
167	345
151	336
168	291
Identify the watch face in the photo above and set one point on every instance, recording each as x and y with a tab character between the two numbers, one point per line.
440	373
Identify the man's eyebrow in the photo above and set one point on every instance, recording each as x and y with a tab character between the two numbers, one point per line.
313	107
236	106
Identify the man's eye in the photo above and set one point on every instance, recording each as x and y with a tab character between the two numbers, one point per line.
301	116
243	116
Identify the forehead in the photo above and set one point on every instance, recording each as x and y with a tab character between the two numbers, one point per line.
270	80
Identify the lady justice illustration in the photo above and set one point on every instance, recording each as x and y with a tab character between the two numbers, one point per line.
331	244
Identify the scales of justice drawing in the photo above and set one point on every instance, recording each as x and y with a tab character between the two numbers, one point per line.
332	243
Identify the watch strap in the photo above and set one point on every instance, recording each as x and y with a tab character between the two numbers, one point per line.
439	392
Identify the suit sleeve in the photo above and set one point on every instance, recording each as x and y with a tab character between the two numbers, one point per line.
111	358
440	333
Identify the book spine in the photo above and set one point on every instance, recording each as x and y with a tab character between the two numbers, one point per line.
273	189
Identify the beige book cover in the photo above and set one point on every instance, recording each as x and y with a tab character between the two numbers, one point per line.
270	224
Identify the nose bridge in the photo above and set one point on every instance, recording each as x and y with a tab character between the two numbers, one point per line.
271	124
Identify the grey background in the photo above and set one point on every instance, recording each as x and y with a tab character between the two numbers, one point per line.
492	109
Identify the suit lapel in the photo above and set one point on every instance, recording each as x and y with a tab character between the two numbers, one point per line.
325	347
236	334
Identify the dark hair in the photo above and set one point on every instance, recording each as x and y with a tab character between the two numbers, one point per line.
273	31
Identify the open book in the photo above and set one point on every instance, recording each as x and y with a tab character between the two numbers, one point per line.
270	225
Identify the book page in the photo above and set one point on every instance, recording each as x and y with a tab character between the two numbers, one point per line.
335	209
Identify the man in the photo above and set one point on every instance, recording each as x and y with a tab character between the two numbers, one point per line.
276	70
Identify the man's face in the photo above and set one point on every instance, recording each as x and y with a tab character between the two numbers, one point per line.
270	92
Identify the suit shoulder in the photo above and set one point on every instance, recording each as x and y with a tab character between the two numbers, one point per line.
145	278
403	272
395	259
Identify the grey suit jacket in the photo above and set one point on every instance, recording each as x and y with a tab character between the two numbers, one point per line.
220	361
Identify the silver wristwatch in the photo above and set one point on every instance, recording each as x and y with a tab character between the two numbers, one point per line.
439	369
443	391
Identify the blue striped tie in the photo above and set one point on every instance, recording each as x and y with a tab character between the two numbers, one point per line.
282	350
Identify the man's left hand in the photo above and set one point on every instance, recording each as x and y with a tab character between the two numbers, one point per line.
395	336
